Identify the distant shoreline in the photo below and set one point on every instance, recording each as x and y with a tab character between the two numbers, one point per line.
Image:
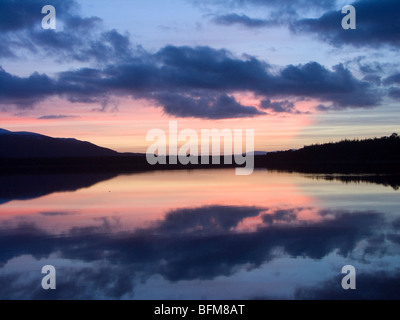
370	156
138	163
386	174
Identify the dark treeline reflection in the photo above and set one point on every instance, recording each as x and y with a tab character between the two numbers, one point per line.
26	187
387	180
200	244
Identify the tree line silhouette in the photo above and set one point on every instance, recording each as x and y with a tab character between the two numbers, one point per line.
378	155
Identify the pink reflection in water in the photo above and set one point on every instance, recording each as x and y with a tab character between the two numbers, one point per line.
138	201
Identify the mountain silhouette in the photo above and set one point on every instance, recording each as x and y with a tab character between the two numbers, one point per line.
33	145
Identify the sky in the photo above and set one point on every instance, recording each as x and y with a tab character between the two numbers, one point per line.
113	70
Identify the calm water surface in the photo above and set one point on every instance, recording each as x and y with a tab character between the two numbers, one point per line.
205	234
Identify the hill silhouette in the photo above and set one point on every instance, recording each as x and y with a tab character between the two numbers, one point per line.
33	145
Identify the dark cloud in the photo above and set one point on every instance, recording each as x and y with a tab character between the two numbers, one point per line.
183	70
25	92
77	23
394	93
80	43
18	15
208	68
375	79
77	38
393	84
55	117
393	79
195	82
338	86
374	71
233	18
377	24
6	51
370	68
207	107
56	213
284	106
377	20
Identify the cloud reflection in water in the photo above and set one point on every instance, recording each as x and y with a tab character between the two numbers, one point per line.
200	244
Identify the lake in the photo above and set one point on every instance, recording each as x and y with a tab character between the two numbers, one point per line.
202	234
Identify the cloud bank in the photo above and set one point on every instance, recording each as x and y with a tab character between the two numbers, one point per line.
196	82
192	82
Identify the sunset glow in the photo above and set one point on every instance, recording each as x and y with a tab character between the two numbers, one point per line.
213	150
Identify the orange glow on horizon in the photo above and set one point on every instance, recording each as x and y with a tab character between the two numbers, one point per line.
125	129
